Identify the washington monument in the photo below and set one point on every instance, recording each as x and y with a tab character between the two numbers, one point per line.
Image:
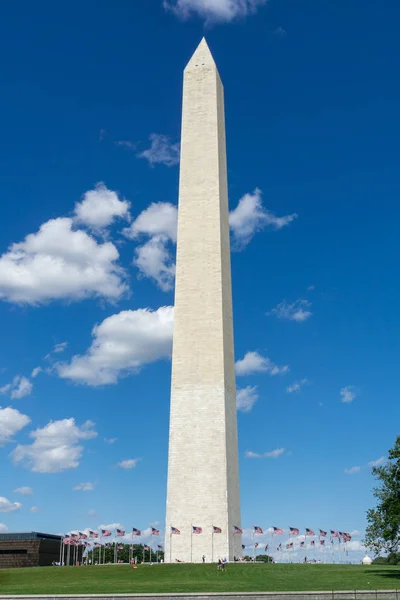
203	502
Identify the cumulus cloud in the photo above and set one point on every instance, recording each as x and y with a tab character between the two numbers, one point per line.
246	398
7	506
160	218
378	462
213	10
297	311
21	387
296	386
352	470
11	421
59	262
110	440
36	371
5	388
250	216
123	343
34	509
56	447
24	491
348	394
129	463
3	528
100	207
253	362
154	258
161	151
273	454
84	487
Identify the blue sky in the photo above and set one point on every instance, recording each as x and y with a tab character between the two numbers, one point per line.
90	122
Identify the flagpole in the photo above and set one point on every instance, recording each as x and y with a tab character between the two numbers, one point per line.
254	550
143	552
170	544
191	543
61	545
339	550
151	537
63	555
212	544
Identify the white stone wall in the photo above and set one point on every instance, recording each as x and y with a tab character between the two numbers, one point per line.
203	479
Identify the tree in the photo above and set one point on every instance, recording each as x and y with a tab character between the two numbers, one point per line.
383	530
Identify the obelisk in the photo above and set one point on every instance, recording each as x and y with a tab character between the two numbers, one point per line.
203	473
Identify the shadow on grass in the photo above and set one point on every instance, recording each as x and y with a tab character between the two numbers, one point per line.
393	573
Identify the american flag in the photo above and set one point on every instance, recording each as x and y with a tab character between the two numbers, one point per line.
136	531
155	531
196	529
322	542
175	531
277	530
74	536
279	548
347	537
107	545
105	533
159	547
67	536
312	543
82	535
266	548
301	544
322	533
309	531
93	534
243	546
288	546
340	534
237	529
121	547
97	545
257	529
217	529
120	532
334	533
293	531
256	545
147	547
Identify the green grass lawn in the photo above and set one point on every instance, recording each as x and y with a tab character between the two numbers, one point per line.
196	578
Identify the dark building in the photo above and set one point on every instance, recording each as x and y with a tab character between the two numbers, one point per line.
28	549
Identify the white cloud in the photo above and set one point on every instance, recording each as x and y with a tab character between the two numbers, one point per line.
246	398
154	260
24	491
34	509
348	394
213	10
110	440
253	362
352	470
21	387
7	506
91	513
60	347
59	262
3	528
273	454
11	421
297	311
161	151
112	526
129	463
36	371
55	447
5	389
160	218
122	344
250	216
377	463
296	386
100	207
84	487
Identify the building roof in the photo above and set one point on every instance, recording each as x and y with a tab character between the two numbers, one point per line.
31	535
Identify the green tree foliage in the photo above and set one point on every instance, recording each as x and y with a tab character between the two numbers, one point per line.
383	531
124	554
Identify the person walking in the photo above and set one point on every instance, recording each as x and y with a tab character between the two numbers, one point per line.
203	558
